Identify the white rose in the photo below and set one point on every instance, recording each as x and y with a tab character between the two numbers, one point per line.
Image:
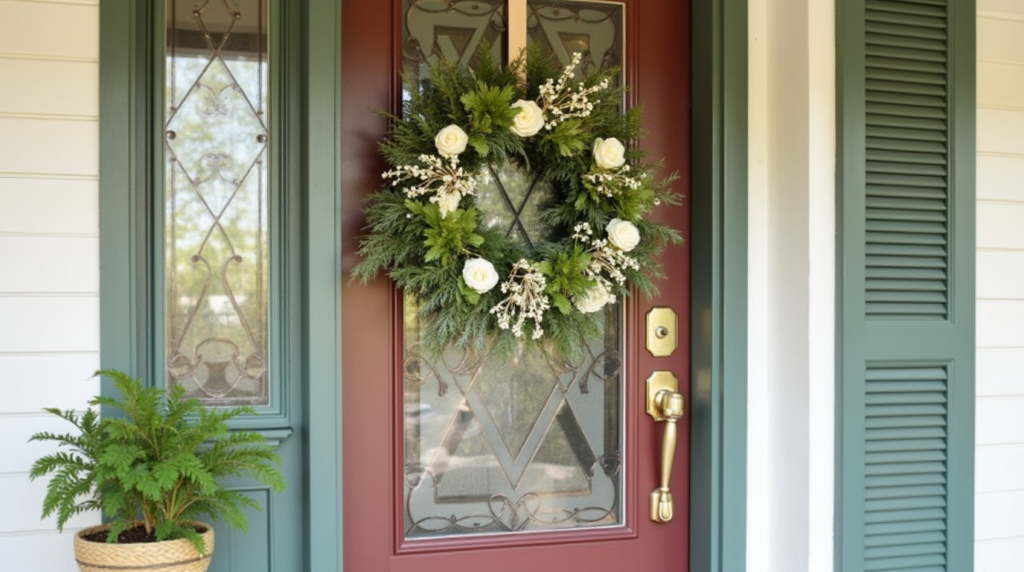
609	153
447	203
479	274
623	234
594	299
451	141
528	120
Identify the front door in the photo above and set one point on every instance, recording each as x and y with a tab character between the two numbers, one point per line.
468	460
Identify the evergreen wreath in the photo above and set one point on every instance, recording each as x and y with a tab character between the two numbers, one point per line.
475	285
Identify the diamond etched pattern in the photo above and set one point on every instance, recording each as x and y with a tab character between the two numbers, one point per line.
530	442
216	140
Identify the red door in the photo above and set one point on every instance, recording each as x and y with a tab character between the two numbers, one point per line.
377	499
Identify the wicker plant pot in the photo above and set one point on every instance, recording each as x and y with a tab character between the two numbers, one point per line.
166	556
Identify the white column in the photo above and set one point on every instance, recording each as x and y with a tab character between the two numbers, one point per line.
792	286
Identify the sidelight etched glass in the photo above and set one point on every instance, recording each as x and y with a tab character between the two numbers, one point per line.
215	200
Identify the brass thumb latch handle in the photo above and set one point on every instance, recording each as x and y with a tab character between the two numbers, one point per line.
664	403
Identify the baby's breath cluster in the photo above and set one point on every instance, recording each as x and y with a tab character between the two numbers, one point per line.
562	100
611	182
440	177
525	300
482	286
608	263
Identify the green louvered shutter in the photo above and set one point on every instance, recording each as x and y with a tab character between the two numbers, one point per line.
906	251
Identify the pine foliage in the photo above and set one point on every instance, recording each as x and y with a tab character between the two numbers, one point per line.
423	251
157	461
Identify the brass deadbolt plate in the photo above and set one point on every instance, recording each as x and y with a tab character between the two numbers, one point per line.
662	332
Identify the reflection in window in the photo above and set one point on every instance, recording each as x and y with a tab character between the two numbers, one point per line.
215	200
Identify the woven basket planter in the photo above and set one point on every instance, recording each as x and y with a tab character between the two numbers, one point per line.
166	556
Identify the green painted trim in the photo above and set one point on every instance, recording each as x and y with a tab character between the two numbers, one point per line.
124	62
850	173
131	119
278	412
718	464
963	127
131	155
323	279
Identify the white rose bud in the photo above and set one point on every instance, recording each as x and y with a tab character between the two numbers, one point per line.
594	299
609	153
529	120
451	141
479	275
447	203
623	234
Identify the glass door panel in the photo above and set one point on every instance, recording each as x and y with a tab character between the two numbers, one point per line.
504	444
531	441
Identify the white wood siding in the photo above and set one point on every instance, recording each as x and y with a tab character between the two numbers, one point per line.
49	241
999	499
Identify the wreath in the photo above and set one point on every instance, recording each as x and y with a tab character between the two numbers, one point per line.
478	285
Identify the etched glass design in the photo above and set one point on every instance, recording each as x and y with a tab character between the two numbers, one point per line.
524	443
449	29
215	201
531	441
594	29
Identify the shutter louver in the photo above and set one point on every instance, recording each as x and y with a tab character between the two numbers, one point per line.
906	294
905	469
907	161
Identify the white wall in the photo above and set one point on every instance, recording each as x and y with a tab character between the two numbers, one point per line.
999	498
792	283
49	259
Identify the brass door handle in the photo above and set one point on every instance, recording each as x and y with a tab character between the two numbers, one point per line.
669	405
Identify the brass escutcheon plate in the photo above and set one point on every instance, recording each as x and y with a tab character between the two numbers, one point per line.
658	381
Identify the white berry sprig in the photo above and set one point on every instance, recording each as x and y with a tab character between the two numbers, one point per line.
561	101
526	300
445	181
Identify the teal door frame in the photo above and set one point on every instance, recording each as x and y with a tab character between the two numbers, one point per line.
313	119
718	457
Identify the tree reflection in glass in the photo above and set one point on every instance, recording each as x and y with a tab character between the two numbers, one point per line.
215	206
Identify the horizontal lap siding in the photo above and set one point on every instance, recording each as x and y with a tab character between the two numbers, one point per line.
999	534
49	334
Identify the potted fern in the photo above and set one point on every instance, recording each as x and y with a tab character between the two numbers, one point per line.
153	468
